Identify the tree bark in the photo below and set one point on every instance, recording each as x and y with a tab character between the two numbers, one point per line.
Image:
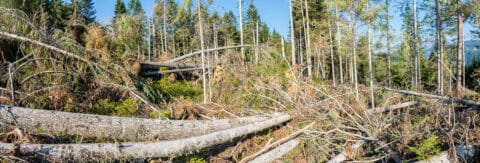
90	126
202	45
292	33
389	67
331	55
458	83
415	48
309	48
439	48
241	25
370	67
143	150
338	45
156	65
354	47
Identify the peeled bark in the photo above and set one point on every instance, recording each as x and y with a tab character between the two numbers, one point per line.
143	150
276	153
442	158
157	65
149	73
43	121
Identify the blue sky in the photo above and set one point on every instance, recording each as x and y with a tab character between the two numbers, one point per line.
273	12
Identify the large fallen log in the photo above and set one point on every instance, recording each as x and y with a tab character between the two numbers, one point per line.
276	153
142	150
440	158
130	129
446	98
341	157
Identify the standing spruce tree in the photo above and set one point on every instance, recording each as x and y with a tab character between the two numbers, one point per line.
120	9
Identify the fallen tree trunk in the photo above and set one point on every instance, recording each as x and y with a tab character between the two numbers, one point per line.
131	129
341	157
277	143
205	51
276	153
446	98
442	158
392	107
150	73
142	150
156	65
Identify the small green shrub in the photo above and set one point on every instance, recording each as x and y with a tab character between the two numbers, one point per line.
168	90
126	107
427	148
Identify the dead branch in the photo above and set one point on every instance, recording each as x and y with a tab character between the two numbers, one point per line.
142	150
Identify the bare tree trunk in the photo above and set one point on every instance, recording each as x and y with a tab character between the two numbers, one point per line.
370	67
37	121
331	55
205	50
389	67
202	45
141	150
338	45
415	48
241	25
292	33
439	48
165	25
276	153
354	47
458	83
309	50
256	43
283	48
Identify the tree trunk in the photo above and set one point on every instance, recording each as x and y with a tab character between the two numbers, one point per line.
439	48
458	83
256	43
338	45
241	26
415	48
309	50
276	153
205	50
331	55
370	71
37	121
389	57
292	33
142	150
354	47
165	25
392	107
283	48
202	45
